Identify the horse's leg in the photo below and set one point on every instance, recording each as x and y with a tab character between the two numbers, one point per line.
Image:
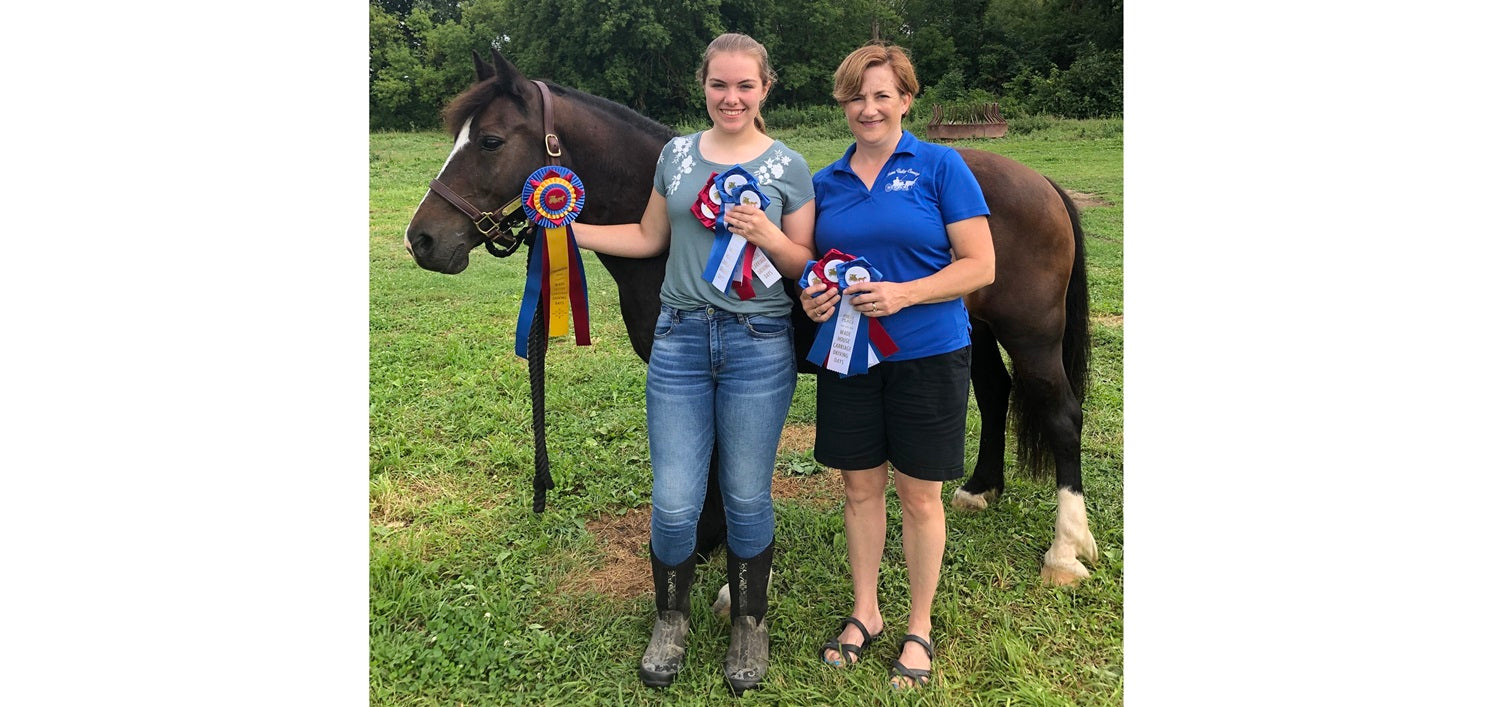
1056	424
713	527
1073	538
992	384
711	523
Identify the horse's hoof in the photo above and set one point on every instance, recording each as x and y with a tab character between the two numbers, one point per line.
966	501
721	605
1063	574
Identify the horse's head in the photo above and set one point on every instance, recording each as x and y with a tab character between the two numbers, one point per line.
499	141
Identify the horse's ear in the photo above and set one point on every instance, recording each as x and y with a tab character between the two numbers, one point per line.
509	76
484	71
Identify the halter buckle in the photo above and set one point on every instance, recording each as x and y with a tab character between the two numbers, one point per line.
487	216
553	145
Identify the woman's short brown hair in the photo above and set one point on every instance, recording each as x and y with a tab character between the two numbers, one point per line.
851	71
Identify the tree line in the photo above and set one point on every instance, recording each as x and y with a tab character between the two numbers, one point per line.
1057	57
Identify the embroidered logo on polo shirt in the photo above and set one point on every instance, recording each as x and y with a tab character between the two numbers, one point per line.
901	179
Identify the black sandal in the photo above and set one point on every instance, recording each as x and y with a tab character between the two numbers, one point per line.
848	651
919	676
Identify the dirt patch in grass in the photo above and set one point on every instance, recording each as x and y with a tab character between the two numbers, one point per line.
1083	200
1111	320
624	539
796	438
823	487
397	503
626	570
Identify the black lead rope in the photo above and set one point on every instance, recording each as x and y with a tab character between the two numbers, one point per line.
519	232
535	346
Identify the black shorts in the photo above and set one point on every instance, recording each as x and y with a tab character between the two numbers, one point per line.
911	413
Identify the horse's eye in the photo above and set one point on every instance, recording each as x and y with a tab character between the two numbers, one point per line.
492	143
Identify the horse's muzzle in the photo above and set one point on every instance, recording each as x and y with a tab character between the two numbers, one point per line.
424	249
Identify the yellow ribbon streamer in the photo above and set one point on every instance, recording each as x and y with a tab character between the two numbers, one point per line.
561	303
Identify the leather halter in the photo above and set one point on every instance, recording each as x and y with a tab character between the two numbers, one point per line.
510	218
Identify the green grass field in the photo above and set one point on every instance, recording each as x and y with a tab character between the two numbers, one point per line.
475	600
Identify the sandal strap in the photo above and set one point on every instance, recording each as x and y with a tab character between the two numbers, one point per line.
849	652
919	676
928	649
865	635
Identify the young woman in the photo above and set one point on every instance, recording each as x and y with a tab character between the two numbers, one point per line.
915	211
721	368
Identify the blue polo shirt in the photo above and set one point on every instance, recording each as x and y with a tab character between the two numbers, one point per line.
898	226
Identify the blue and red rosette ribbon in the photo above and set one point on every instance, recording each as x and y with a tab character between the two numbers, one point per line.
849	343
554	279
733	263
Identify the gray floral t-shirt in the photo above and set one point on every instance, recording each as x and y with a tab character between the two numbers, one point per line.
681	172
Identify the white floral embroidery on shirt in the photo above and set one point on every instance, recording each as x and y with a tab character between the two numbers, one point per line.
681	149
773	168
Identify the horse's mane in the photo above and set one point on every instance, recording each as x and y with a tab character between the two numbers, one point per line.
619	112
478	95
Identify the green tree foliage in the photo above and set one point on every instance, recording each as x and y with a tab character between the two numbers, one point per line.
1055	56
641	53
806	41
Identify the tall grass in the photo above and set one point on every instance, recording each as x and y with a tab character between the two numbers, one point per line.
475	600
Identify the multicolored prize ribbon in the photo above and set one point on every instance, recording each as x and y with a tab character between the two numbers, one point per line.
553	197
842	337
733	263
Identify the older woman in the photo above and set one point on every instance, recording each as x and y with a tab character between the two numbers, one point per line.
916	213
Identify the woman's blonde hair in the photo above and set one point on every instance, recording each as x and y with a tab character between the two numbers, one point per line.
734	42
851	72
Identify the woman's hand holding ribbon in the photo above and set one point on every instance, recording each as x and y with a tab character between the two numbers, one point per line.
878	299
820	301
750	223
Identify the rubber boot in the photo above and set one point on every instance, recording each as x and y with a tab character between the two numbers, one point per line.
745	664
668	646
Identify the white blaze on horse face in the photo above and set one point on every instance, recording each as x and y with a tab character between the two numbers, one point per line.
462	137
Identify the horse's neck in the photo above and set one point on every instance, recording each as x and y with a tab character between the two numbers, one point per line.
616	162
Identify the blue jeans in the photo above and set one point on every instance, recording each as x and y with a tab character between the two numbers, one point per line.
716	375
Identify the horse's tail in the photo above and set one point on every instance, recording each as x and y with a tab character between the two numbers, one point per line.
1076	346
1031	412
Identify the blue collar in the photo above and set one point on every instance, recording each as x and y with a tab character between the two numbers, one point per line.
906	146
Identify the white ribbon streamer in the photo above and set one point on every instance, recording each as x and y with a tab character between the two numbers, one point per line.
847	321
764	268
727	261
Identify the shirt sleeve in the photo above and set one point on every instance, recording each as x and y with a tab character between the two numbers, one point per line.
961	196
660	183
801	179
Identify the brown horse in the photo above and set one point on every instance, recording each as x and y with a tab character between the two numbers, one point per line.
1036	309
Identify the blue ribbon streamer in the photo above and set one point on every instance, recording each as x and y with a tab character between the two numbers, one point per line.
531	299
722	236
823	341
